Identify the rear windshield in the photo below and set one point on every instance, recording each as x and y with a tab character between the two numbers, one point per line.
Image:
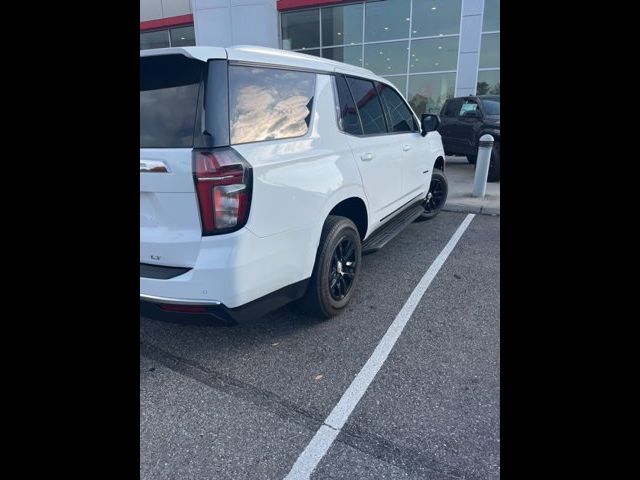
169	88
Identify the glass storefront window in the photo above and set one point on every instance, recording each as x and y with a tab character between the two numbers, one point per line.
428	92
434	54
158	39
182	36
490	50
387	20
300	29
491	17
386	58
342	25
350	55
315	52
400	82
488	82
435	17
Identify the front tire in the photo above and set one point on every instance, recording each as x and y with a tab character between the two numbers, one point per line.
437	196
336	270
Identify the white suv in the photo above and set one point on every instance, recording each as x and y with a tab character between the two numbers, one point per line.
265	175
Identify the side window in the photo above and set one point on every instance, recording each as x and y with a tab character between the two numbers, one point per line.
269	104
468	106
368	103
348	119
400	117
453	108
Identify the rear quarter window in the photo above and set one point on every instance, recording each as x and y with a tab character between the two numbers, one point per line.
169	90
269	103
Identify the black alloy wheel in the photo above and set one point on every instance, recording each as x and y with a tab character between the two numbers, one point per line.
343	269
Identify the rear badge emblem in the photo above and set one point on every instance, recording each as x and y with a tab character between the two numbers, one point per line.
153	166
155	257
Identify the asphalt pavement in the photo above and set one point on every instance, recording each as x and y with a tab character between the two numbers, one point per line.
244	402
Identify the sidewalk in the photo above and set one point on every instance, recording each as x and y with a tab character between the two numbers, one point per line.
460	175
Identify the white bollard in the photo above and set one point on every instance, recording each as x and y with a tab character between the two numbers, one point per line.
482	166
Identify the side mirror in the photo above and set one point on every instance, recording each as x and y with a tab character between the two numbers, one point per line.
430	123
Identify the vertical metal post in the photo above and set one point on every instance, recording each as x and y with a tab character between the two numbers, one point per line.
482	166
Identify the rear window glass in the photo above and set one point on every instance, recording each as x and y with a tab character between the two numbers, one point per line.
268	103
169	88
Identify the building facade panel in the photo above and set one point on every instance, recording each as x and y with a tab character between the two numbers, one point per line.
430	49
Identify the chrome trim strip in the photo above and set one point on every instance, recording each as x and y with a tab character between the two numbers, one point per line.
214	179
154	166
177	301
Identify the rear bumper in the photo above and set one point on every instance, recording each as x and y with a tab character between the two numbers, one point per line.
233	270
176	301
215	312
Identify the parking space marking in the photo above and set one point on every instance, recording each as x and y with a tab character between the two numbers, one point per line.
325	436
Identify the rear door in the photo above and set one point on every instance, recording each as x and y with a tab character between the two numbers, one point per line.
171	90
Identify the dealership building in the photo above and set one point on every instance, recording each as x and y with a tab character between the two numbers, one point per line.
430	49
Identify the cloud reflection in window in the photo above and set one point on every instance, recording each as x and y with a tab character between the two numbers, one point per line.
269	104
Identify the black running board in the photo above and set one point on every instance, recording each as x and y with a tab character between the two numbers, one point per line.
385	234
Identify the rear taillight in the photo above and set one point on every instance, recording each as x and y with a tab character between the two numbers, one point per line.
223	185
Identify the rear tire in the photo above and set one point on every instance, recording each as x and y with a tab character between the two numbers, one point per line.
494	164
439	189
335	273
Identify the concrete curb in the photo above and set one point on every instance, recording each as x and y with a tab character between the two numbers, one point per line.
461	208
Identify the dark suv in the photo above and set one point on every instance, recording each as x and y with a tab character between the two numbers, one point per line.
464	120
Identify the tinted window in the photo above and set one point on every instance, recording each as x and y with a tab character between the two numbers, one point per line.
158	39
452	108
368	103
182	36
169	88
300	29
401	118
491	106
269	104
348	120
342	25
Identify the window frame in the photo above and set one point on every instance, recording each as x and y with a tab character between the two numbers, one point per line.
384	115
336	100
380	99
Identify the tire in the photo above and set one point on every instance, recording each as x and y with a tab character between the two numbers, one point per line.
439	189
472	159
333	280
494	164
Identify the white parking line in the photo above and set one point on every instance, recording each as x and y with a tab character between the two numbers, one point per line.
327	433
